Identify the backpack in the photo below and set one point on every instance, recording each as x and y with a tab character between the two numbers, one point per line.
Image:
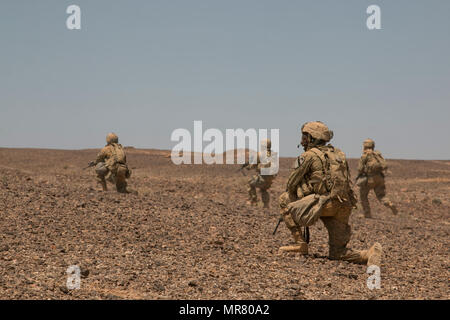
336	173
375	163
118	155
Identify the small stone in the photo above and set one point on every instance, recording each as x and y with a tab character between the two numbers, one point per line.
193	283
64	289
84	273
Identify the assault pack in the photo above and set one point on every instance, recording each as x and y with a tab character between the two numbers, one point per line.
119	154
336	173
118	157
374	163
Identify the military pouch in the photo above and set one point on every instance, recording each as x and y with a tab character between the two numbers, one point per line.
306	211
101	169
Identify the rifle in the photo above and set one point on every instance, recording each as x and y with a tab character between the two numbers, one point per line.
90	164
306	234
276	228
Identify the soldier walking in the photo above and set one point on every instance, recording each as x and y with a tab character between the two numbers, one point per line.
371	171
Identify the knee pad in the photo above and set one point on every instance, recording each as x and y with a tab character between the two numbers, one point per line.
101	169
290	223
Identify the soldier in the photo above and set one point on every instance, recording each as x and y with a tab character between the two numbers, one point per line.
111	164
371	171
319	187
263	182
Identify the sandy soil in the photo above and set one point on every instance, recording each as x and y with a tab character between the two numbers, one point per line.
189	234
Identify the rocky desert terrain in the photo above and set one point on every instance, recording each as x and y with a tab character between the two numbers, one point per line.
188	233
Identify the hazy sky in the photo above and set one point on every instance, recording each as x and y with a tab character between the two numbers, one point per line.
145	68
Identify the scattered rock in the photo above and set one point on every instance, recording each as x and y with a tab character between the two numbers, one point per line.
436	202
190	235
193	283
64	289
84	273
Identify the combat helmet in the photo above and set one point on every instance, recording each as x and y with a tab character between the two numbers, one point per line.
318	130
112	138
369	144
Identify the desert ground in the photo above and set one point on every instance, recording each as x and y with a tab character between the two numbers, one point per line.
188	233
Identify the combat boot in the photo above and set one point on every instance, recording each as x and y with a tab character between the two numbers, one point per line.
300	244
125	189
252	203
122	189
373	255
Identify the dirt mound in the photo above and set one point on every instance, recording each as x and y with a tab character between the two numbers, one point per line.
188	234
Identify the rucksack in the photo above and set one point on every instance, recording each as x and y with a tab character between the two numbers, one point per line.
375	163
336	173
119	154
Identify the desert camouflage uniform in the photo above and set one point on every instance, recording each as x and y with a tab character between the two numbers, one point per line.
262	182
307	178
107	166
375	181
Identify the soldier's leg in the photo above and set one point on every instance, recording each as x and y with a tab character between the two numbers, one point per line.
380	192
264	185
101	171
339	233
363	197
251	188
300	243
110	178
120	178
265	196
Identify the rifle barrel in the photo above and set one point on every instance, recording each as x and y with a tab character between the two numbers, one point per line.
276	227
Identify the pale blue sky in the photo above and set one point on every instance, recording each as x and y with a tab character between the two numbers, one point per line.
145	68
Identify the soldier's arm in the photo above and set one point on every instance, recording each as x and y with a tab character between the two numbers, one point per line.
385	167
379	153
361	164
102	155
301	167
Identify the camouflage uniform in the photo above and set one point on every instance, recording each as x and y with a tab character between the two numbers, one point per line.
263	182
375	179
111	166
308	178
